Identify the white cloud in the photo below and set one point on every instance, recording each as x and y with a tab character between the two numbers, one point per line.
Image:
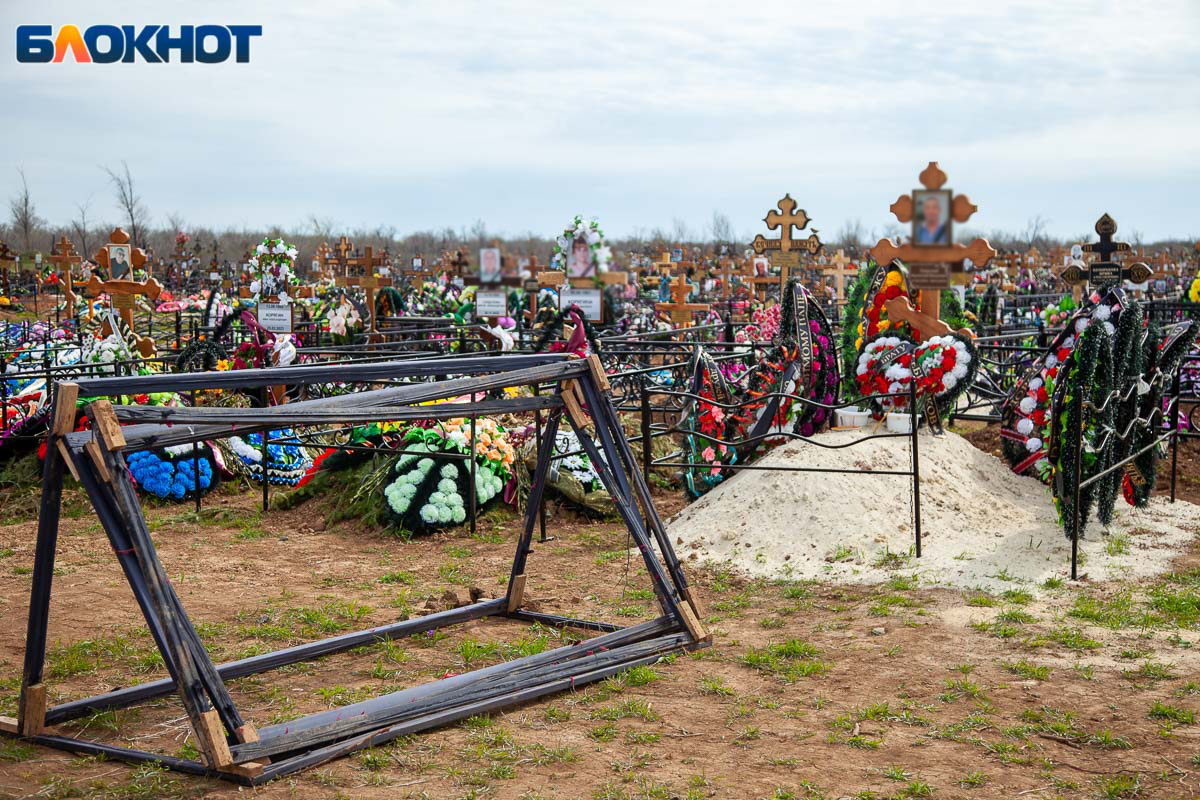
429	114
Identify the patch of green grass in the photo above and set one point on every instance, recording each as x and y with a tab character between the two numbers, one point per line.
401	577
980	600
629	707
1167	713
1119	786
791	660
974	779
1027	670
1019	597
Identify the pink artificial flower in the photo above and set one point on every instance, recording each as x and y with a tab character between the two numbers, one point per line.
708	454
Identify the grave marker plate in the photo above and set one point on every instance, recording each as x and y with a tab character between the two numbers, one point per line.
491	304
588	300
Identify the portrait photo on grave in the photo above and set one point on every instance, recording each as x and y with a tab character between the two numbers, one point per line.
762	266
118	261
489	264
418	264
931	217
580	264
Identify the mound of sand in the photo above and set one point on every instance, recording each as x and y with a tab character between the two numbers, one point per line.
982	525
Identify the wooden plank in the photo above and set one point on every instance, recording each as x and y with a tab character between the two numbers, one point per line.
516	592
66	456
598	373
211	736
246	733
571	401
695	628
9	725
104	420
64	408
693	602
93	450
33	710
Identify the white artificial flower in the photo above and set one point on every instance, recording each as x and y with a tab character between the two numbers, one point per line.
1081	324
1051	361
254	287
862	368
283	298
603	254
1102	313
279	248
1108	326
959	372
949	381
1025	426
1035	384
593	236
253	262
292	252
1027	405
1033	445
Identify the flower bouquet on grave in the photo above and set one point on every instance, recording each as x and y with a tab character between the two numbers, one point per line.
274	261
176	472
429	487
942	367
287	459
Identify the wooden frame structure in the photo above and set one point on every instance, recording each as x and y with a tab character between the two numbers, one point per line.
231	746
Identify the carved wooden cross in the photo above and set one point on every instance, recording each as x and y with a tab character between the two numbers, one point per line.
64	257
323	252
785	219
952	255
123	292
680	309
839	268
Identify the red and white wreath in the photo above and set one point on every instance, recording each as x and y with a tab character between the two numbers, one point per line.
939	364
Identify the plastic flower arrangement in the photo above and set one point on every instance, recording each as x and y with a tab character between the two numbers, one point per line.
1057	315
172	472
939	365
579	230
1194	290
576	463
344	320
287	460
273	259
430	486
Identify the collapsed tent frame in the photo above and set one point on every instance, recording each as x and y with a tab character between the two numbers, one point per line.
232	748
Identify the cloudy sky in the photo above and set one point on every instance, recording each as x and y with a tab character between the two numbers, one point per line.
428	114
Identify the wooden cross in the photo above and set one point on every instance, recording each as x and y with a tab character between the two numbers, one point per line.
1104	271
64	257
323	257
934	258
123	292
368	281
680	309
839	268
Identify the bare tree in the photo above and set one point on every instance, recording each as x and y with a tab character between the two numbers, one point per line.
680	230
130	204
24	213
175	222
721	228
322	227
479	232
1034	234
81	228
852	235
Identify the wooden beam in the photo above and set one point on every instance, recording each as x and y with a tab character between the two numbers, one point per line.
571	401
211	736
93	450
33	710
598	373
516	592
63	450
64	409
104	420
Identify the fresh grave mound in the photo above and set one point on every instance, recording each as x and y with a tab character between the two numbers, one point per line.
983	525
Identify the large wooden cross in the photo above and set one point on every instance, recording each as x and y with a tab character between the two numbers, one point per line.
64	257
840	268
124	292
680	310
786	250
930	265
368	281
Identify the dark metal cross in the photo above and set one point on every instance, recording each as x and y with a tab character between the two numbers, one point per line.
1106	226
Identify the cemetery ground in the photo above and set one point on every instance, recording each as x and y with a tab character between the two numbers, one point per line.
810	690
